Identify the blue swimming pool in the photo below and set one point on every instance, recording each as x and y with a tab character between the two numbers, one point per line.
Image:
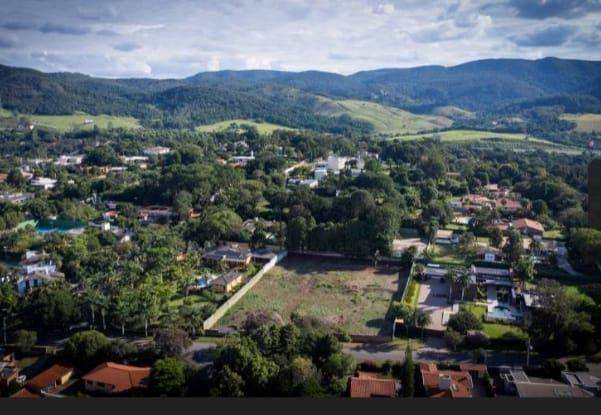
501	312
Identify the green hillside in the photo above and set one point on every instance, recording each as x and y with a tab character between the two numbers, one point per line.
73	122
470	135
585	123
262	127
386	120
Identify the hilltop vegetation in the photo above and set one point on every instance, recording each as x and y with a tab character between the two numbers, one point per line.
586	123
262	127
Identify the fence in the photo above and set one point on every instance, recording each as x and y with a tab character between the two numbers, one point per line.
220	312
407	282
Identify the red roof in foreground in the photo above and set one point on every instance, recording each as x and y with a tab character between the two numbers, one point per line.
370	386
461	382
528	223
121	377
25	393
49	377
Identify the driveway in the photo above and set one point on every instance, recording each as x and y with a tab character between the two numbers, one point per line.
432	299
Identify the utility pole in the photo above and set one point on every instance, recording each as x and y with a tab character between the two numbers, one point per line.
4	330
528	352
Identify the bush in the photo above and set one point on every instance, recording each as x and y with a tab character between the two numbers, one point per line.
577	365
463	321
24	340
171	342
553	368
86	348
168	377
477	339
453	339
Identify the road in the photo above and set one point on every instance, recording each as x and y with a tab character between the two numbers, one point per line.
434	350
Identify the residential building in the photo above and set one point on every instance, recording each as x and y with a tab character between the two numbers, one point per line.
49	379
16	198
156	151
28	282
233	255
583	380
9	371
155	212
445	383
227	282
112	378
369	385
517	382
528	227
445	237
65	160
43	182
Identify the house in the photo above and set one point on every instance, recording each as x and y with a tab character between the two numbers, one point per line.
435	271
140	160
445	237
491	273
528	226
507	205
43	182
112	378
69	160
517	382
233	255
28	282
310	183
227	282
156	151
445	383
110	215
369	385
16	198
583	380
50	379
242	161
320	173
9	371
155	212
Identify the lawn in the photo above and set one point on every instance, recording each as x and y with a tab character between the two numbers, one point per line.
386	120
262	127
554	234
348	294
493	330
585	123
446	254
76	121
470	135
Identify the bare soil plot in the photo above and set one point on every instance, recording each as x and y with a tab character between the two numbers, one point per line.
349	294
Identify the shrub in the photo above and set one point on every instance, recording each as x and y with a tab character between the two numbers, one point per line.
553	368
25	340
577	365
86	348
463	321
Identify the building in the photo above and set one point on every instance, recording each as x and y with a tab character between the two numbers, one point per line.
9	371
445	237
528	227
435	271
517	382
156	151
50	379
43	182
310	183
507	205
233	255
369	385
28	282
16	198
445	383
227	282
583	380
155	212
112	378
69	160
320	173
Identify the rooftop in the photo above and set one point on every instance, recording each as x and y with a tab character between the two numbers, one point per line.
120	377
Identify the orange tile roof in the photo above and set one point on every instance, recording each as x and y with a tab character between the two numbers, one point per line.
528	223
49	377
121	377
25	393
461	382
366	385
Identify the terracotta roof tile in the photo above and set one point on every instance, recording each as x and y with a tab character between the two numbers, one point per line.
121	377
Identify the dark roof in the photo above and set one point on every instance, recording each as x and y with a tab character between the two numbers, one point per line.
227	278
228	253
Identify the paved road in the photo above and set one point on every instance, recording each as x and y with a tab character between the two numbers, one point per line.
434	350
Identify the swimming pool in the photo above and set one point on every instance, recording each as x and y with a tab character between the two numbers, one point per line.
500	312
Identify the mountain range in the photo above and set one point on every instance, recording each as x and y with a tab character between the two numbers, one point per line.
296	99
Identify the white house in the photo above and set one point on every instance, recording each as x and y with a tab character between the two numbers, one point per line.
43	182
69	160
156	151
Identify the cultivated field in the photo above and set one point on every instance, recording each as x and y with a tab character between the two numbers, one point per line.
353	296
585	123
77	121
469	135
386	120
262	127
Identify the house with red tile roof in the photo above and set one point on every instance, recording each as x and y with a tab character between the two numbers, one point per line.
113	378
46	382
369	385
445	383
528	226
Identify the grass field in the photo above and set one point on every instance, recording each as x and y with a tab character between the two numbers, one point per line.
585	123
494	330
344	293
262	127
446	254
452	112
386	120
76	121
470	135
5	113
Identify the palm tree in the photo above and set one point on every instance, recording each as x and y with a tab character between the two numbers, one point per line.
8	304
464	280
422	319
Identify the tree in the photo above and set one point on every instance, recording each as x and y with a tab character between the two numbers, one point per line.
86	348
408	256
514	248
296	235
8	304
52	307
24	340
453	339
408	374
295	375
422	319
168	377
463	321
525	270
585	246
227	383
496	237
171	341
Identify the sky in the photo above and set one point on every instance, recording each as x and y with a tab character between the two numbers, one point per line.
178	38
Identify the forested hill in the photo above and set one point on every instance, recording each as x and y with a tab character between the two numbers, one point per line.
289	98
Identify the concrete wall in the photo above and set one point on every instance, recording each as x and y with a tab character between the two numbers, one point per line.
220	312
